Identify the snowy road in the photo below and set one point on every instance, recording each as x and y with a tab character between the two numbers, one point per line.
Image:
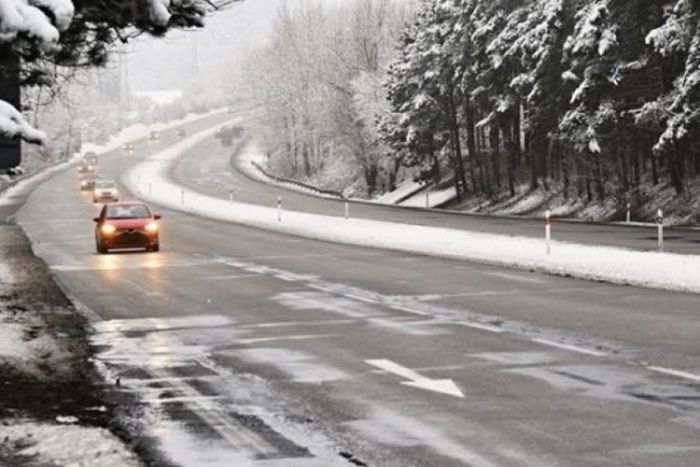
254	348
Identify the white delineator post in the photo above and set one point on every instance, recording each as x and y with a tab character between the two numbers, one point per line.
427	198
230	195
660	224
279	209
548	230
629	215
182	197
347	209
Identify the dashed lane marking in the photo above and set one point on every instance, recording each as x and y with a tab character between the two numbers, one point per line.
258	340
572	348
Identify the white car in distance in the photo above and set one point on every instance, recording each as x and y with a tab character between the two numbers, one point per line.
105	190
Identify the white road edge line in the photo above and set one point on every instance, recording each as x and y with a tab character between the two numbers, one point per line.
572	348
678	373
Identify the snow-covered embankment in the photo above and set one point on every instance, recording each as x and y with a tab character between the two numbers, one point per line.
149	180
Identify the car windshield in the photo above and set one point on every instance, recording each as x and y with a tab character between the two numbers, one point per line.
105	184
127	211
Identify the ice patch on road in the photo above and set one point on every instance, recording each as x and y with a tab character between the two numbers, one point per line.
613	382
301	367
354	309
393	429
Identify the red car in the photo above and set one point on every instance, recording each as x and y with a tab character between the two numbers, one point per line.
127	224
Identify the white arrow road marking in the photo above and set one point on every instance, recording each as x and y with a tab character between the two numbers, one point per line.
444	386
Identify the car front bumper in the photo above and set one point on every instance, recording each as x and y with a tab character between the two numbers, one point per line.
129	238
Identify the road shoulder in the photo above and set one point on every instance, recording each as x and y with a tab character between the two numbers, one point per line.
54	409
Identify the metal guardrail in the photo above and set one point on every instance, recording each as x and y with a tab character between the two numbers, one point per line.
288	181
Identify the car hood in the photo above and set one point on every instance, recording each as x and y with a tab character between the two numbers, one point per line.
129	223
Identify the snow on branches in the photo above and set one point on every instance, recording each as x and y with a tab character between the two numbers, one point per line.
40	20
13	125
78	33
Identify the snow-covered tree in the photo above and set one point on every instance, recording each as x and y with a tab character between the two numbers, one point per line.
314	91
44	34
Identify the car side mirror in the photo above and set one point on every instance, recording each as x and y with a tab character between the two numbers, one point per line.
157	217
96	219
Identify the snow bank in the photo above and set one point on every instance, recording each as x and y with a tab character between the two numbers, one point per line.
405	190
658	270
67	444
435	198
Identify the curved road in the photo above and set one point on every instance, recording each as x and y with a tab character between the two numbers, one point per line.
206	169
253	348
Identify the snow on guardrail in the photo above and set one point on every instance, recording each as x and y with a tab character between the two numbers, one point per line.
616	265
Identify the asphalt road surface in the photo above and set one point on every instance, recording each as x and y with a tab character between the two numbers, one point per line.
252	348
207	169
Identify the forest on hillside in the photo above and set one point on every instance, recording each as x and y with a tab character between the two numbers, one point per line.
594	98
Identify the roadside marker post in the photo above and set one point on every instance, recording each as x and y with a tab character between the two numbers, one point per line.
660	224
347	209
548	230
279	209
230	195
629	215
182	197
427	198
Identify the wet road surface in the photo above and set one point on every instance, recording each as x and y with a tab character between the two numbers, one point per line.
252	348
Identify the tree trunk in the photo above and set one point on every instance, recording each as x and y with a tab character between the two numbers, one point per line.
471	144
495	154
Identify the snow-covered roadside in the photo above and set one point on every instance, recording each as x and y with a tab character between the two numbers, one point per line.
130	133
648	269
406	190
63	443
435	198
51	410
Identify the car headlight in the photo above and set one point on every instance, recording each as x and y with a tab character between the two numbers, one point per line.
108	229
152	227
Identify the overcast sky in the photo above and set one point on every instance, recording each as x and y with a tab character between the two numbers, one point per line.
169	63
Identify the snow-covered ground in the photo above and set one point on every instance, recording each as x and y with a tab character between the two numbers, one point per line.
43	358
435	198
63	443
669	271
405	190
